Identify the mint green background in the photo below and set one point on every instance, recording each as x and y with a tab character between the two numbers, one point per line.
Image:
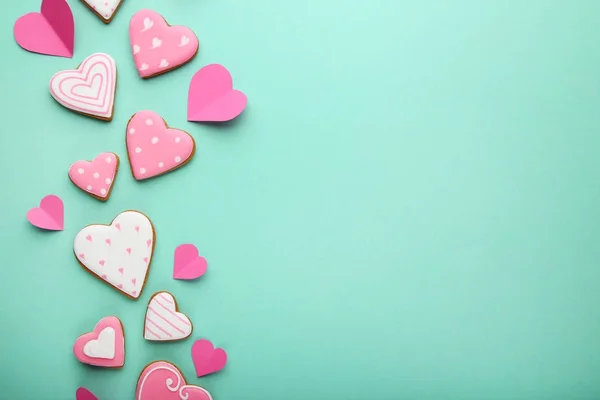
407	209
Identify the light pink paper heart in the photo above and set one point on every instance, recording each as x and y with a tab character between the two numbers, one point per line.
104	346
49	215
188	263
84	394
96	177
158	47
154	148
162	380
211	97
51	31
206	358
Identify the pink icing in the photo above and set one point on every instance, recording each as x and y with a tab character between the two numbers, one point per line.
158	47
153	148
97	176
119	358
163	381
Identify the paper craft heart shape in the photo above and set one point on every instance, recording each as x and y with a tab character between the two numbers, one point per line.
162	380
104	346
105	9
206	358
89	89
154	148
51	31
50	215
188	263
158	47
211	97
120	254
84	394
95	177
163	322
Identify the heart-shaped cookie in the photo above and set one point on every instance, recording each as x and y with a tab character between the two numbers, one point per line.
104	346
89	89
95	177
163	321
154	148
120	253
162	380
158	47
104	9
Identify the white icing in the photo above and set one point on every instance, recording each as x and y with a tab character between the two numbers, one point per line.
163	321
148	23
103	347
105	8
130	251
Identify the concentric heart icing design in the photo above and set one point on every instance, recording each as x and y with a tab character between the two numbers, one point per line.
95	177
104	346
163	321
158	47
120	253
154	148
90	89
105	9
162	380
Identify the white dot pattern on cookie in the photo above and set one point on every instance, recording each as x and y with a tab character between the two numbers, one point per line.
144	67
177	139
80	171
156	43
154	140
138	150
177	159
96	175
161	164
103	192
131	131
108	160
142	171
89	187
136	49
149	122
163	63
107	181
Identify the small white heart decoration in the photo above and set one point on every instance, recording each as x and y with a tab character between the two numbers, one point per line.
164	322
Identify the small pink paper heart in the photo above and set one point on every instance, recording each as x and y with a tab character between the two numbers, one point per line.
206	358
211	97
49	215
188	264
84	394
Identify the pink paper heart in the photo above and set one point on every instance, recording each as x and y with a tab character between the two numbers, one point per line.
95	177
51	31
49	215
154	148
162	380
158	47
211	97
206	358
84	394
188	263
104	346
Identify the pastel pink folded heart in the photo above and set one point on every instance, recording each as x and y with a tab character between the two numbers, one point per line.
84	394
206	358
49	215
162	380
51	31
188	263
211	97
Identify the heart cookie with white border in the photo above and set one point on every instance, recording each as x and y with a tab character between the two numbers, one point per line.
164	323
104	346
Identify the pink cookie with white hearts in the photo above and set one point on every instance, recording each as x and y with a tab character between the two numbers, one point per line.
158	47
154	148
104	346
95	177
162	380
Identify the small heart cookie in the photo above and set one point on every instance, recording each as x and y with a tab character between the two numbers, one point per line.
162	380
104	9
164	323
104	346
95	177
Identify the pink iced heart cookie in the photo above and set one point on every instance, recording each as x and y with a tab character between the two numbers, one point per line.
211	97
162	380
154	148
188	263
50	215
120	253
95	177
84	394
104	346
158	47
104	9
51	31
164	322
206	358
89	89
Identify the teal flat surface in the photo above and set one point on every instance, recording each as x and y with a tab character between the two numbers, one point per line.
407	209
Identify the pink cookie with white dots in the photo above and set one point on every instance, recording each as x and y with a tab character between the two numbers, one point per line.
96	177
154	148
104	9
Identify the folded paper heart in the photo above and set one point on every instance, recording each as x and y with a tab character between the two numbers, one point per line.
211	97
51	31
95	177
188	263
206	358
104	346
162	380
49	215
84	394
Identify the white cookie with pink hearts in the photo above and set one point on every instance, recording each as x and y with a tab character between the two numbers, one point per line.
120	253
104	9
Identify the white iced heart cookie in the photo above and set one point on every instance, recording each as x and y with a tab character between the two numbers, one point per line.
104	9
103	347
163	321
120	253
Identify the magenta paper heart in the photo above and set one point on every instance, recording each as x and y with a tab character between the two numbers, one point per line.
206	358
104	346
188	263
84	394
154	148
51	31
211	97
95	177
49	215
158	47
162	380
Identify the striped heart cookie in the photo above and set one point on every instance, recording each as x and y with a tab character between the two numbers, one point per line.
163	321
